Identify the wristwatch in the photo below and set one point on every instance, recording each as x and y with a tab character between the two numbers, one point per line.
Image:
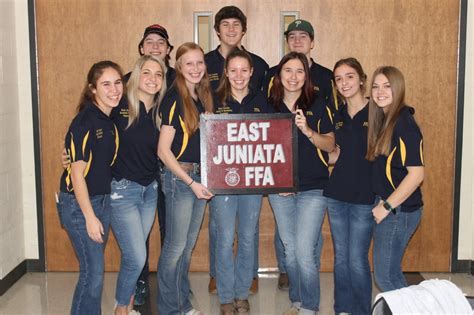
389	207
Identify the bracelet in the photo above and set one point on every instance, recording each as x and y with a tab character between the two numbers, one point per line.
191	183
389	207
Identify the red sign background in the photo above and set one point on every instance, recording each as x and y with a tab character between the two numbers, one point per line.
247	134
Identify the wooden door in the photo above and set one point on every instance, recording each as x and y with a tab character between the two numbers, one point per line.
419	37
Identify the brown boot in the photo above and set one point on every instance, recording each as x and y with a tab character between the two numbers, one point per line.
212	288
254	287
242	306
283	281
292	311
227	309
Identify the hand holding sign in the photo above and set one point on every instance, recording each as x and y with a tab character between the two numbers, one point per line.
201	191
302	124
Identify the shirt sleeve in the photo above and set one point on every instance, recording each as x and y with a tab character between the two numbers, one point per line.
78	142
325	123
410	142
169	112
263	75
267	84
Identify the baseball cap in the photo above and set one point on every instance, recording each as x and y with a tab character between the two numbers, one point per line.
300	25
157	29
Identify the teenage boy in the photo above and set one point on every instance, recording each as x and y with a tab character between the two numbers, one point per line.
230	24
300	38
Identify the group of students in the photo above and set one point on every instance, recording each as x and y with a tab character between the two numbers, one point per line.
127	145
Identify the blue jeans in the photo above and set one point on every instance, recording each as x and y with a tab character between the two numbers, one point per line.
279	251
391	237
299	218
213	245
184	215
160	206
352	226
88	293
235	279
133	213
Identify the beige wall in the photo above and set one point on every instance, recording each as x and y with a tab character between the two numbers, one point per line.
466	218
18	232
26	130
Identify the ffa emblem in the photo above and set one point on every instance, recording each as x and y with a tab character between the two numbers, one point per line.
232	178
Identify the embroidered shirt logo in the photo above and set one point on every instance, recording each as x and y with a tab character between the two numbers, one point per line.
99	133
214	77
124	112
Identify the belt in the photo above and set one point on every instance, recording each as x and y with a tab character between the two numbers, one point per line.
191	167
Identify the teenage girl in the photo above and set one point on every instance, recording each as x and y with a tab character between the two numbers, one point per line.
395	145
179	149
300	215
234	275
349	192
84	200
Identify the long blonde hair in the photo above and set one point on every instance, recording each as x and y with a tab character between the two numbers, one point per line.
381	125
133	93
203	90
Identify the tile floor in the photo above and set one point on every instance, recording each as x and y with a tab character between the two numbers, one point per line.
51	293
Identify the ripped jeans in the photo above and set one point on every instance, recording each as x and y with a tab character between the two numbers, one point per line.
133	213
234	276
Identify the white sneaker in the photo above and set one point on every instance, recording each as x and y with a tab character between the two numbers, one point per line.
132	312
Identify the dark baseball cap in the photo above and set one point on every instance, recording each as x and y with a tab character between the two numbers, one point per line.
301	25
157	29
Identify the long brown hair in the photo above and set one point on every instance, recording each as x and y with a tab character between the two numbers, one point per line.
203	90
277	91
94	74
381	125
224	91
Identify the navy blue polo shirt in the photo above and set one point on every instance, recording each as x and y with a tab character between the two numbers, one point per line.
170	76
313	172
253	103
137	158
350	179
93	138
215	67
185	147
406	150
321	78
